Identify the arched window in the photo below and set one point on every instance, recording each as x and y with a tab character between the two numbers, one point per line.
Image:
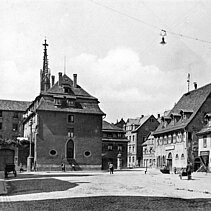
182	157
170	156
177	156
70	149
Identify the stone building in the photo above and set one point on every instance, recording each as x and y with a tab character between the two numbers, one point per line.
114	146
176	139
63	124
136	132
11	115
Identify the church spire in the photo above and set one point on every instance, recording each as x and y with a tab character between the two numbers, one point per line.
45	72
45	58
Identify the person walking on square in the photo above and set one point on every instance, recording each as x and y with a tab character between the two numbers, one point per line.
63	167
189	170
111	168
73	167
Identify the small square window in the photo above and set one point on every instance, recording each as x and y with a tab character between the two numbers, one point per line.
70	118
15	115
70	132
14	127
119	148
110	147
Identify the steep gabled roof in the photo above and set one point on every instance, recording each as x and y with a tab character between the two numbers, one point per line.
78	91
142	121
13	105
110	127
135	121
190	102
83	102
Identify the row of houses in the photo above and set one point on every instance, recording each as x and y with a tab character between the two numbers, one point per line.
184	134
64	124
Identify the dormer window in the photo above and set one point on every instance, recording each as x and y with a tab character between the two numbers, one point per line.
175	117
186	114
67	90
70	103
57	101
208	119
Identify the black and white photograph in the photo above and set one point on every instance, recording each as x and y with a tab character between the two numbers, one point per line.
105	105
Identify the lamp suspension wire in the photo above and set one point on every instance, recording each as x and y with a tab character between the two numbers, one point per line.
150	25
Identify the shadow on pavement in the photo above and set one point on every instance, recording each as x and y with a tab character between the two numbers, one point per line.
19	187
23	176
111	203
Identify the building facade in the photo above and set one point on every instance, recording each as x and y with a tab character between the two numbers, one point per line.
176	139
63	124
114	146
11	115
136	132
149	159
204	136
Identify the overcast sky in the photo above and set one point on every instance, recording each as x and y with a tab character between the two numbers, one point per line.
113	46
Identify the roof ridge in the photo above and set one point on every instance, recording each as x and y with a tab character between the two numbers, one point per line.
15	100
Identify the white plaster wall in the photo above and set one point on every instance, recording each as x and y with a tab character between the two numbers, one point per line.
208	148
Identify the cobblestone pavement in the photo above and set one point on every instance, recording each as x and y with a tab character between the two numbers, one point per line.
122	186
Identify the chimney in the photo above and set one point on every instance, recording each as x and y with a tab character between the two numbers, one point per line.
60	78
158	116
75	80
195	85
53	79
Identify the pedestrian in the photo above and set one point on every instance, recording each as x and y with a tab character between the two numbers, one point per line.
111	168
63	167
181	173
73	167
21	167
35	166
189	170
